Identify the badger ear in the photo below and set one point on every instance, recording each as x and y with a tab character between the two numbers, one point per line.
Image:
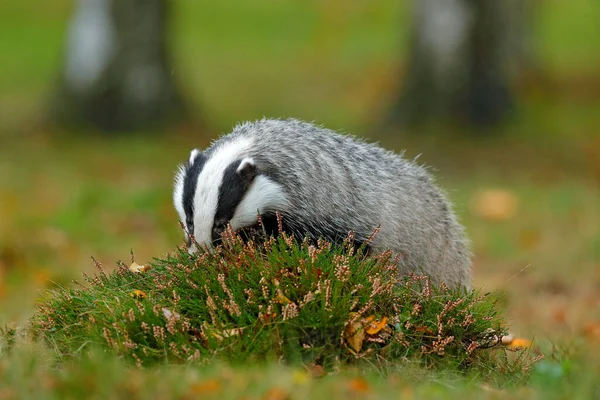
194	154
247	169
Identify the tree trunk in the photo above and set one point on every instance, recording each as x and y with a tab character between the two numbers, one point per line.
116	74
461	63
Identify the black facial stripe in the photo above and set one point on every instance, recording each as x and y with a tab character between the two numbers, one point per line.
231	192
189	188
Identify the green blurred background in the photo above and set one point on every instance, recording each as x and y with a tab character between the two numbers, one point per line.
526	188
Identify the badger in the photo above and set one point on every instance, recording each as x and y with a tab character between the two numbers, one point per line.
324	185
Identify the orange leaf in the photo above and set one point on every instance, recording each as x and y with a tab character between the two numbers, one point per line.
375	326
591	330
276	394
359	385
423	329
518	343
205	387
138	294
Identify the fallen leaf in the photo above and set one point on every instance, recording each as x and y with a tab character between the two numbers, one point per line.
354	334
375	326
316	370
220	335
137	268
300	377
559	315
359	385
519	343
591	330
424	329
269	317
276	393
281	299
494	204
529	239
138	294
168	314
41	277
205	387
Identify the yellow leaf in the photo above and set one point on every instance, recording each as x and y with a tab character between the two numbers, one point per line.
138	294
519	343
137	268
205	387
300	377
281	298
495	204
375	326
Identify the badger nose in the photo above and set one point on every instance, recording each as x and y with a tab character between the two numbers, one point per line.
192	249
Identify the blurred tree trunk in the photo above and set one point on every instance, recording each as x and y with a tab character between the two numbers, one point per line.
116	74
463	56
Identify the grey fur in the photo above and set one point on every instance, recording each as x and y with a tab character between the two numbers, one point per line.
336	183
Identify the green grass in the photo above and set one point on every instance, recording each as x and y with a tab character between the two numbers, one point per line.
314	310
279	300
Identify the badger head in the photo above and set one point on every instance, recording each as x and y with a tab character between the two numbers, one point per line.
222	186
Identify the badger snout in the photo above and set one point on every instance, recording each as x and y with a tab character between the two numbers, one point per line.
191	248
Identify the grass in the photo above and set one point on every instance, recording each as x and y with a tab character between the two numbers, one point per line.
277	300
314	309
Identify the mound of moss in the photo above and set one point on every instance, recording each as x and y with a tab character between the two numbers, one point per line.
280	299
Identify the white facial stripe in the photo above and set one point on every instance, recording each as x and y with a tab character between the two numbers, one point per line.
207	191
178	193
263	196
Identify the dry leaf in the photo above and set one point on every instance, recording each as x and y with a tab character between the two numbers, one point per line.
591	330
359	385
519	343
424	329
138	294
300	377
559	315
169	314
276	394
137	268
281	299
205	387
373	327
529	239
316	370
354	334
494	204
220	335
41	277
